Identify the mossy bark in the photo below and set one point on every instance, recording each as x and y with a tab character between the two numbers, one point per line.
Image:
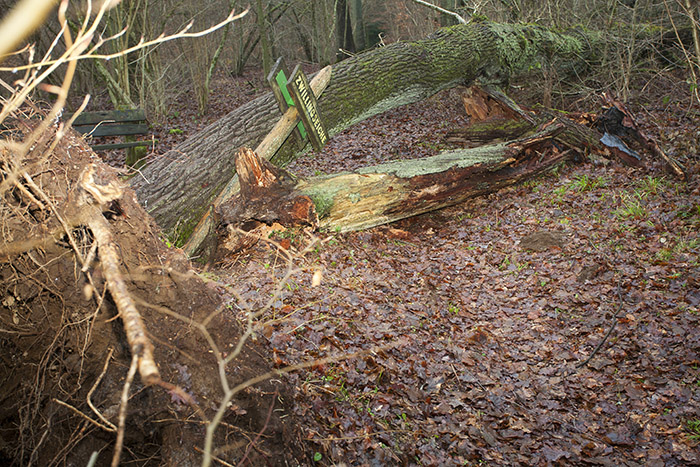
178	188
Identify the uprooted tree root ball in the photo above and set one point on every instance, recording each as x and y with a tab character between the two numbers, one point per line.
65	350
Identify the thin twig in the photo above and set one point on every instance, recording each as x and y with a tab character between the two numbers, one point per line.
35	451
607	334
350	438
90	257
688	58
92	389
78	412
214	458
442	10
182	34
267	421
28	193
122	410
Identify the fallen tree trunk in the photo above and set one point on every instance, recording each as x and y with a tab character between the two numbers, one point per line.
389	192
178	188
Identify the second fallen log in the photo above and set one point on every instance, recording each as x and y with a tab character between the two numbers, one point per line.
388	192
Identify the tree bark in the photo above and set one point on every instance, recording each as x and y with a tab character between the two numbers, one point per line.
178	188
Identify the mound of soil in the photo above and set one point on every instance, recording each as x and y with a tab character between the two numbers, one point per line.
64	352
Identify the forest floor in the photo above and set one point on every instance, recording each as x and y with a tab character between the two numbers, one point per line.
473	325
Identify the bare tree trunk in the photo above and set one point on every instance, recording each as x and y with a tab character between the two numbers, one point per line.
303	37
266	51
346	43
323	28
215	59
693	14
358	25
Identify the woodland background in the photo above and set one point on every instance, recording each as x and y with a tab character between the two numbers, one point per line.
322	32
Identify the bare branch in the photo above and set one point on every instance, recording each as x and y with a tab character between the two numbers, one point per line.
24	18
182	34
442	10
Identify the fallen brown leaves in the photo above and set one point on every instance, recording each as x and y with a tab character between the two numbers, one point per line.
496	327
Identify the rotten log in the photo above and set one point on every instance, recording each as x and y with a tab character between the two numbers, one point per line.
481	133
388	192
392	191
489	103
269	197
493	116
496	116
617	120
269	194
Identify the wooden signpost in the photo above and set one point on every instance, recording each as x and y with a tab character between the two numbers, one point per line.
303	96
296	92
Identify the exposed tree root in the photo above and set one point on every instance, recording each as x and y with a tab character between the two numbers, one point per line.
19	247
139	343
90	204
135	363
45	406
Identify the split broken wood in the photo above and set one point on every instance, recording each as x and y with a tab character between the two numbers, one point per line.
518	148
203	232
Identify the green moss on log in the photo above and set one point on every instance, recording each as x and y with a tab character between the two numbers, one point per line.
323	202
444	161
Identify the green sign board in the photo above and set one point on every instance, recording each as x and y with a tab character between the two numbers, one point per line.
305	102
278	82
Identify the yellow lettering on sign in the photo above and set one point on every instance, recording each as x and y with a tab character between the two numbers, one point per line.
311	112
